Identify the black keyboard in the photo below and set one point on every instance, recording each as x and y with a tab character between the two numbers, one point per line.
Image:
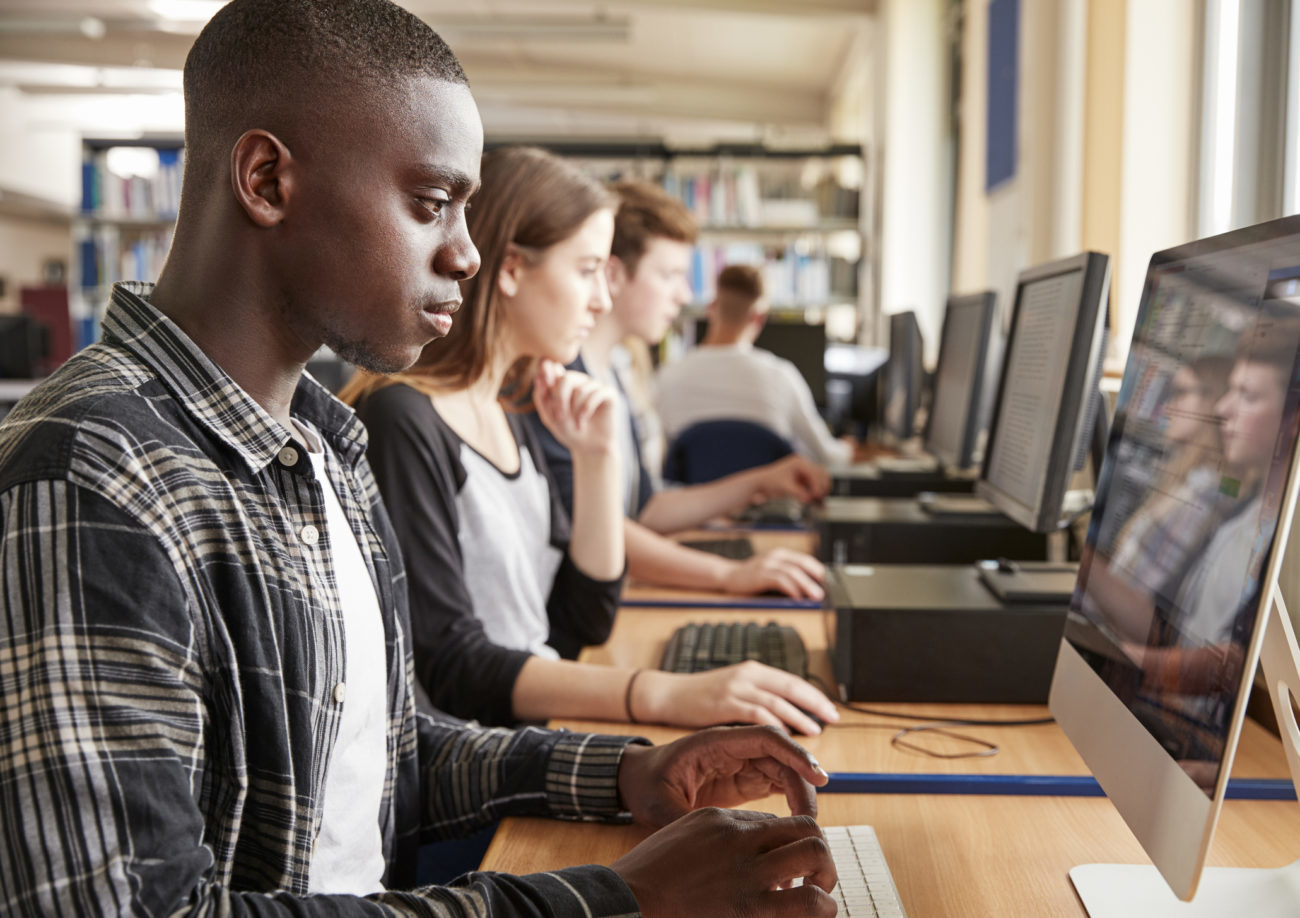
698	647
777	510
738	549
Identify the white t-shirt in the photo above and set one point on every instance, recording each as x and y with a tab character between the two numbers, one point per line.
348	856
505	542
628	447
739	382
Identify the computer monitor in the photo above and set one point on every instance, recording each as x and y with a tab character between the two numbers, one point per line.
852	382
803	344
1177	593
1047	393
956	415
24	346
904	376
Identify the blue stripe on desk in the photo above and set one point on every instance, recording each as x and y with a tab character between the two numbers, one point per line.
736	602
1023	785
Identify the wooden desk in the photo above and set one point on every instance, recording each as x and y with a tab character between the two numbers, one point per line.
953	856
950	855
861	742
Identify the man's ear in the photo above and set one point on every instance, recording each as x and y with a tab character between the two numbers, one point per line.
510	277
616	276
262	176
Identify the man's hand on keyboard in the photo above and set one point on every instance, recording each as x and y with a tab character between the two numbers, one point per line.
793	573
730	863
723	766
748	692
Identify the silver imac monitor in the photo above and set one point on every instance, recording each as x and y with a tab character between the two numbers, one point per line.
1046	403
1177	590
956	415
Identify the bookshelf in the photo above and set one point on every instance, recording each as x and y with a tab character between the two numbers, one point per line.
130	192
794	213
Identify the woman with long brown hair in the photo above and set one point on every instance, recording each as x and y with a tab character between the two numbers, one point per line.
502	583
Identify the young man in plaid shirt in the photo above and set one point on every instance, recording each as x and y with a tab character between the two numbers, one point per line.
205	670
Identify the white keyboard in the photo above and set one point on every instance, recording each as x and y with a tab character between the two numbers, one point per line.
865	889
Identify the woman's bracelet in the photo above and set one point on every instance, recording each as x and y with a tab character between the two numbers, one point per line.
627	697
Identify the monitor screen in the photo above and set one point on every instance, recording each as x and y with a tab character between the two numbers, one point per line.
804	345
1044	407
1155	668
904	373
952	426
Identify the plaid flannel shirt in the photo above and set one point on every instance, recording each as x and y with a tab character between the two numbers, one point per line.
171	660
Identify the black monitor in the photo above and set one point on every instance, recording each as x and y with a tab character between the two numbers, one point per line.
1046	406
1178	593
803	344
852	386
904	376
24	345
956	415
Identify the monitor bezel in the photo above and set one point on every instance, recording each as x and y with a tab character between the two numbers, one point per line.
777	324
1164	813
1071	416
916	375
965	455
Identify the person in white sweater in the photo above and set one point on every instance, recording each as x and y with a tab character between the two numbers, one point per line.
727	378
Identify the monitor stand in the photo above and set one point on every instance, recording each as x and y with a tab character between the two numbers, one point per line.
1139	891
1029	581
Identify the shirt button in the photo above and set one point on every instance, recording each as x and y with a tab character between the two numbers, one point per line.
288	457
310	534
340	692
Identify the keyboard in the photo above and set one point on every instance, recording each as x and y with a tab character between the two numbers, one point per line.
697	647
966	505
737	549
907	465
778	510
866	888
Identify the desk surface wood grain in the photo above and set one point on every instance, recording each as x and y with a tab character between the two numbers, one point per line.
950	855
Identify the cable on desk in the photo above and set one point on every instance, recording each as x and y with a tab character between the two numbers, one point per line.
934	726
952	721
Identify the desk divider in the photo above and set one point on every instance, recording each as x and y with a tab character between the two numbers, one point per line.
1022	785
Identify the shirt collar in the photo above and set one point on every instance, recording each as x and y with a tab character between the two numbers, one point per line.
209	394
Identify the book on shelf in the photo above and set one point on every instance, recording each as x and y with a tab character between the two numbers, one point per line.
108	195
793	275
737	197
105	255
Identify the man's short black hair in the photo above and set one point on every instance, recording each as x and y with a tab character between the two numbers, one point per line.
287	58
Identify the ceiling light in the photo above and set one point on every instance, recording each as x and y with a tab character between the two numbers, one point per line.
534	28
36	78
186	10
85	26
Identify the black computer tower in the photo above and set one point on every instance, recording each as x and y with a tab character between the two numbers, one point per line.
865	530
937	634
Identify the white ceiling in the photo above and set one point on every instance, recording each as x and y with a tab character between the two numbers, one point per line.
705	70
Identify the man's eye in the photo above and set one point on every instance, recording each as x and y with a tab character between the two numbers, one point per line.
433	205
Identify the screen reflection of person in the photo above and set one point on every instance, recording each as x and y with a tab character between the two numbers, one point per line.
1183	504
1195	652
